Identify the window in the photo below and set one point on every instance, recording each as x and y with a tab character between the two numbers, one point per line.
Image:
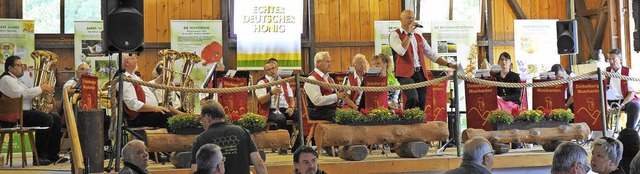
438	10
47	17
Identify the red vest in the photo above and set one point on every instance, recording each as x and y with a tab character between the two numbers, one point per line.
263	109
623	83
404	64
354	94
324	90
132	115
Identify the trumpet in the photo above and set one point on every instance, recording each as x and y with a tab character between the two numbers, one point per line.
277	110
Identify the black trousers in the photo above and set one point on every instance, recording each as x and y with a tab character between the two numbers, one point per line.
281	119
151	119
415	97
47	140
322	113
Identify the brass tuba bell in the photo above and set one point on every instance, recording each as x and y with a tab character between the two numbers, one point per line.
43	73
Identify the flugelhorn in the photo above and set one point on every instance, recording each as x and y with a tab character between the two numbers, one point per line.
277	111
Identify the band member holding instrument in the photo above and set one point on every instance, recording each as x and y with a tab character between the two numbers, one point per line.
47	140
141	104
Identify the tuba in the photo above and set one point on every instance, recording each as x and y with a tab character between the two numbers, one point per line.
43	74
168	56
187	101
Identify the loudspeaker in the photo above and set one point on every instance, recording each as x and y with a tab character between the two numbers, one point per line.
123	26
567	32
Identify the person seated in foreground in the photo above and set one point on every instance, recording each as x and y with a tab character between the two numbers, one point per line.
606	154
305	161
477	157
210	160
135	158
570	158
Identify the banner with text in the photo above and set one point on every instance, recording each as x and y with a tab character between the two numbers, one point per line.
535	46
482	100
375	100
587	108
549	97
87	44
17	39
235	102
268	29
455	41
436	109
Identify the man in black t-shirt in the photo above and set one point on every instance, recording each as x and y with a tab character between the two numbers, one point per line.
235	142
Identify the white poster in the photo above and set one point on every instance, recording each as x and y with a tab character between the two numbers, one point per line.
535	46
268	29
88	48
202	37
17	39
456	42
382	31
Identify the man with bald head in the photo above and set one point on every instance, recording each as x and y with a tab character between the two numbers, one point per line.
409	52
476	158
83	68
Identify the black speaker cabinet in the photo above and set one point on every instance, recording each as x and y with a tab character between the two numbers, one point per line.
123	29
567	32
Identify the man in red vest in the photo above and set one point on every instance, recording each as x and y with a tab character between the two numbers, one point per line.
323	100
409	49
141	104
622	91
361	66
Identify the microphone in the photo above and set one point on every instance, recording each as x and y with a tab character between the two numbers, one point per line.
418	26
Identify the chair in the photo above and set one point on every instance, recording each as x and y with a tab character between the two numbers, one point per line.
14	106
313	123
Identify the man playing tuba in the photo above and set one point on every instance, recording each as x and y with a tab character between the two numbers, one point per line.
47	140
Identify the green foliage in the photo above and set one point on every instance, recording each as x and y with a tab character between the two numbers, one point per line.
252	121
500	116
345	116
413	114
182	121
534	116
381	115
561	115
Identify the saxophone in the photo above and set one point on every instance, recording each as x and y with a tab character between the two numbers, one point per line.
43	74
168	56
187	100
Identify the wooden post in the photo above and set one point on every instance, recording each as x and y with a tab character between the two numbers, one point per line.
412	149
353	153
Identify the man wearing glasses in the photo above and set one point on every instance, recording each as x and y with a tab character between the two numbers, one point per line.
476	158
47	140
570	158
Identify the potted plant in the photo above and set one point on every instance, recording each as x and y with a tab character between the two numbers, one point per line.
381	115
532	116
349	116
185	124
253	122
413	115
499	118
563	115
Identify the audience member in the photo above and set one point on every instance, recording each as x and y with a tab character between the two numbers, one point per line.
305	161
631	144
605	156
570	158
135	158
476	158
210	160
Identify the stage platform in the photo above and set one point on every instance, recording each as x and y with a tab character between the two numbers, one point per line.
374	163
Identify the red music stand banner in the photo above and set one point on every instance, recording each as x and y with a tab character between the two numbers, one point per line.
436	103
587	103
235	102
374	100
480	100
89	92
550	97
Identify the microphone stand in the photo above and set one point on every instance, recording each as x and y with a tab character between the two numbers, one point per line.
451	123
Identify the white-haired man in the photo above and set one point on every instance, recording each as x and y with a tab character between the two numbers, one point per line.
476	158
135	157
324	100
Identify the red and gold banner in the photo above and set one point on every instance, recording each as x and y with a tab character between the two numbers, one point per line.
436	104
550	97
89	92
374	100
235	102
480	100
586	95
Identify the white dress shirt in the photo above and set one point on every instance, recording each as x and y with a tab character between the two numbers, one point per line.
283	99
396	44
13	87
129	96
615	86
313	91
359	82
70	83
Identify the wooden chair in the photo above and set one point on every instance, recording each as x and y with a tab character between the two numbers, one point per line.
313	123
12	106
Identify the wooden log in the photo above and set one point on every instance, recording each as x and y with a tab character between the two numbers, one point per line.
577	131
353	153
272	139
344	135
181	159
412	149
161	141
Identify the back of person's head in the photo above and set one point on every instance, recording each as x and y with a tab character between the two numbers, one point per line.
10	61
630	141
566	155
612	147
475	149
212	109
634	167
208	159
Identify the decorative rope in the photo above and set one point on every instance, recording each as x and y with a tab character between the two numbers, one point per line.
211	90
524	85
620	76
377	88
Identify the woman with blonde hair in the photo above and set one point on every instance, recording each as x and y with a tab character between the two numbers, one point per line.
384	62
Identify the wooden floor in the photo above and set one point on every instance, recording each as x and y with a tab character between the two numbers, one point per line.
374	163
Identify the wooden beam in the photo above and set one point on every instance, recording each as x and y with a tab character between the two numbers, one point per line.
312	36
515	7
224	14
601	25
489	30
613	23
344	44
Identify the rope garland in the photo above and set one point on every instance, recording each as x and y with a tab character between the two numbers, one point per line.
379	89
